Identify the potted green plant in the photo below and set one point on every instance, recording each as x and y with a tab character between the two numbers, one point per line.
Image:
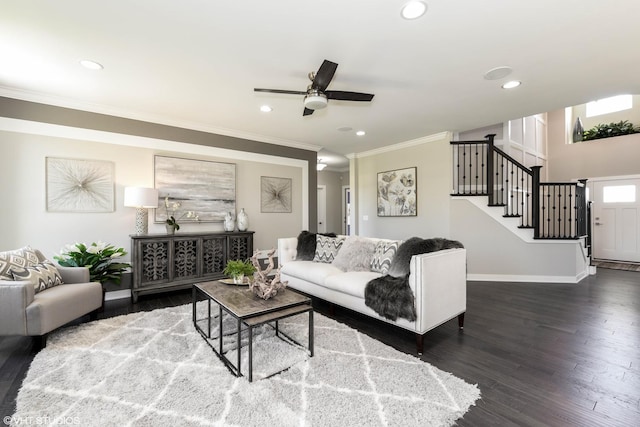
237	269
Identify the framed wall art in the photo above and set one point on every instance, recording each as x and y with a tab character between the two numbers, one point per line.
78	185
275	194
204	187
397	193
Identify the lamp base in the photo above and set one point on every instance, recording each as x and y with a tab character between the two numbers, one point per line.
142	221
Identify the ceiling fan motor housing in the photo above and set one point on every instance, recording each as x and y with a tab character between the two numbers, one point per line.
315	100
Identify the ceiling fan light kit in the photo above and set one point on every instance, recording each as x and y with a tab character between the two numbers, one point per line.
315	100
317	96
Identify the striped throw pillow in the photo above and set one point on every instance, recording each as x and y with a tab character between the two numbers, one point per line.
383	254
327	248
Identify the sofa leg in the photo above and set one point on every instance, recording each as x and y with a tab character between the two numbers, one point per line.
461	321
419	343
40	341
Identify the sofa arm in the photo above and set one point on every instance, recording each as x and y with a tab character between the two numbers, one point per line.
15	296
74	274
287	249
439	282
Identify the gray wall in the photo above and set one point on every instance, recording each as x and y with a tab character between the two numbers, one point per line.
22	181
617	156
432	157
334	182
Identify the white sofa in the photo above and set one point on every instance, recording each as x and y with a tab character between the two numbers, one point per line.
437	279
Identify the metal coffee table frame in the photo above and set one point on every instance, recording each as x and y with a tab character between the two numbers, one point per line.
261	312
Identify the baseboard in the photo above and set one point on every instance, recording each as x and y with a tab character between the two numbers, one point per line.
121	294
524	278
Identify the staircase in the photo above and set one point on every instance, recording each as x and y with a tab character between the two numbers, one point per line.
553	210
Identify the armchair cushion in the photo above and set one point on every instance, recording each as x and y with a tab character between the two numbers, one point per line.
21	258
42	276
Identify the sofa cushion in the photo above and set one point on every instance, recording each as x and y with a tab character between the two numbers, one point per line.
306	245
383	255
314	272
42	276
327	248
351	283
20	258
355	254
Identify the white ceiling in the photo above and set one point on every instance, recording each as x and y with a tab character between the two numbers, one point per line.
194	63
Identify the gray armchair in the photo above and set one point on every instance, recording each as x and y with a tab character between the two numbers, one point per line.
24	312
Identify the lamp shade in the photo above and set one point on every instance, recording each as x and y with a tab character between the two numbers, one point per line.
140	197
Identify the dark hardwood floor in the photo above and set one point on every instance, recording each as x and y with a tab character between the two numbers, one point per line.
542	354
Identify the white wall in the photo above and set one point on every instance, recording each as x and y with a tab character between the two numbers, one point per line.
25	220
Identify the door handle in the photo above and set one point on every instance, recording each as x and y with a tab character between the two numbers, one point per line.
599	223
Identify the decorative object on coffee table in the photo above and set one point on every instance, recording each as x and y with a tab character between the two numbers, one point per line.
243	220
263	285
237	269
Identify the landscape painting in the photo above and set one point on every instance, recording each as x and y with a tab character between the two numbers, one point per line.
206	188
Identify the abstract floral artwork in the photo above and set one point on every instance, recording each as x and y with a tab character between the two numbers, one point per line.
205	188
397	193
275	194
77	185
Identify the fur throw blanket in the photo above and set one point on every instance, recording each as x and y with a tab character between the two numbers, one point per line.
390	296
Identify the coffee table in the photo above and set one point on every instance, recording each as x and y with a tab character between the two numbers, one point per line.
248	310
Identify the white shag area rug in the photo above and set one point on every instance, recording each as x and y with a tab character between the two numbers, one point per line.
154	369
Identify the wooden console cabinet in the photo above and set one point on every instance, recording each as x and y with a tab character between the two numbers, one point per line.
163	262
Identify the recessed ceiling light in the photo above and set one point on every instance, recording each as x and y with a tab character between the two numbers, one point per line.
413	9
266	109
360	133
498	73
91	65
511	84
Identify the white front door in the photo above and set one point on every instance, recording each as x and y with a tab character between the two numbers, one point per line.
616	219
322	208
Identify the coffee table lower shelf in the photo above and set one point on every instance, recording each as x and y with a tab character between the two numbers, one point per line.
272	313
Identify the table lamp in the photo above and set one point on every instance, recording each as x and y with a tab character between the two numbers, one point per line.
141	198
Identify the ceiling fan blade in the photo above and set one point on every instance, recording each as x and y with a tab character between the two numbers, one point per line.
348	96
288	92
307	111
324	75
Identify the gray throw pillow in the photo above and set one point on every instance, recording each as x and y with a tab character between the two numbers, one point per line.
355	254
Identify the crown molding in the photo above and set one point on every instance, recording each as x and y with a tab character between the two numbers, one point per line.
402	145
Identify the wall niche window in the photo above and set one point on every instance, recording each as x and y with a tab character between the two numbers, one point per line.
612	104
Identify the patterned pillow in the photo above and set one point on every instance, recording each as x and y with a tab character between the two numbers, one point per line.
327	248
43	276
382	256
23	257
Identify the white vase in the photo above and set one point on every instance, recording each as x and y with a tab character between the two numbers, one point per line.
229	222
243	220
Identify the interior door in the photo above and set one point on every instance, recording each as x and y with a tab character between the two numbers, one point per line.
346	210
616	220
322	208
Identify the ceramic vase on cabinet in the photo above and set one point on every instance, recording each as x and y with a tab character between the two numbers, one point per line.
243	220
229	222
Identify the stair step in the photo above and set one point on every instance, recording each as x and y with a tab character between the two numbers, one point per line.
526	226
469	194
499	205
511	216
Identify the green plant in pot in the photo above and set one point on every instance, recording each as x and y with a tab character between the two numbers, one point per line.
238	269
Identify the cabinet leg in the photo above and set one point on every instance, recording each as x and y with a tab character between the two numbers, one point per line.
461	321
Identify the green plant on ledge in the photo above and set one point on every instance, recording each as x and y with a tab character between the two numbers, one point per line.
237	269
608	130
99	258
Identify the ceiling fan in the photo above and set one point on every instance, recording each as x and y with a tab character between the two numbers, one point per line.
317	96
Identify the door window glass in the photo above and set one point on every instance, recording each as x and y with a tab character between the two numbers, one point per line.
619	194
